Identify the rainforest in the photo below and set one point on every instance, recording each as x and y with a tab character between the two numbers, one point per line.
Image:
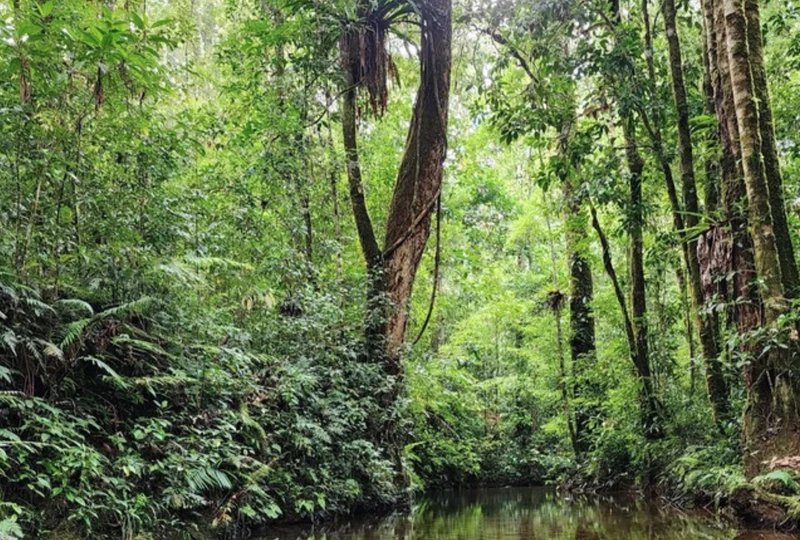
491	268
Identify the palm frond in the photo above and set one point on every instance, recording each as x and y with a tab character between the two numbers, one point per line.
207	479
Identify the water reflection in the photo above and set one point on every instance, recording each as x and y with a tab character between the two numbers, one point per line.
527	514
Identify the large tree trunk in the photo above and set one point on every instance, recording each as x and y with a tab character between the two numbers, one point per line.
736	256
636	322
419	181
769	151
391	272
771	422
709	341
746	109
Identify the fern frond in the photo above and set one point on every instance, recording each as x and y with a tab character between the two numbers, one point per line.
114	376
207	263
33	349
77	305
184	274
142	345
50	349
6	374
140	306
10	292
208	478
37	305
73	331
10	340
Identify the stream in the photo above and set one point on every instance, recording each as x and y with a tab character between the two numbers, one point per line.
528	514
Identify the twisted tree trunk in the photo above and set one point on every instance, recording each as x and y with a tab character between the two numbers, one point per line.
419	181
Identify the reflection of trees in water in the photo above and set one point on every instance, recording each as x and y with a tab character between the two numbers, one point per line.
539	514
527	514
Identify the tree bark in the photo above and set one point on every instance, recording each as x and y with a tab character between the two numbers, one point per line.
771	420
709	340
582	325
419	181
727	247
651	413
746	109
636	323
375	319
769	152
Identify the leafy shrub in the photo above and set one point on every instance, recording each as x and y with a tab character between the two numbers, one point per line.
114	421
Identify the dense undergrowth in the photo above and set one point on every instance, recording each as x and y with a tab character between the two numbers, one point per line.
142	419
136	418
182	284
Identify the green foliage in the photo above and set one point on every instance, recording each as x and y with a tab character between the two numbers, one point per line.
778	481
182	288
172	431
712	472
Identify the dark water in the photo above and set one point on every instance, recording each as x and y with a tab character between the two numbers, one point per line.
528	514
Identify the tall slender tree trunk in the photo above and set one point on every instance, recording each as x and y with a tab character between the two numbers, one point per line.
350	44
709	340
648	405
636	323
582	326
652	424
555	302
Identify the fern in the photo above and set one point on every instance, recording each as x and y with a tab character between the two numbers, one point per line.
50	349
140	306
779	477
10	340
37	305
207	479
10	292
146	346
31	346
6	374
115	377
77	305
73	331
210	262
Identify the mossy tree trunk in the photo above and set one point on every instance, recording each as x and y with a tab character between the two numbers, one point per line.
709	340
769	152
771	420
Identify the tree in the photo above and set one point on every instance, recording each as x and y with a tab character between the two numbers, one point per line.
709	340
771	418
418	187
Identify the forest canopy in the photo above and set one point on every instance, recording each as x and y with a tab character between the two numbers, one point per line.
276	260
